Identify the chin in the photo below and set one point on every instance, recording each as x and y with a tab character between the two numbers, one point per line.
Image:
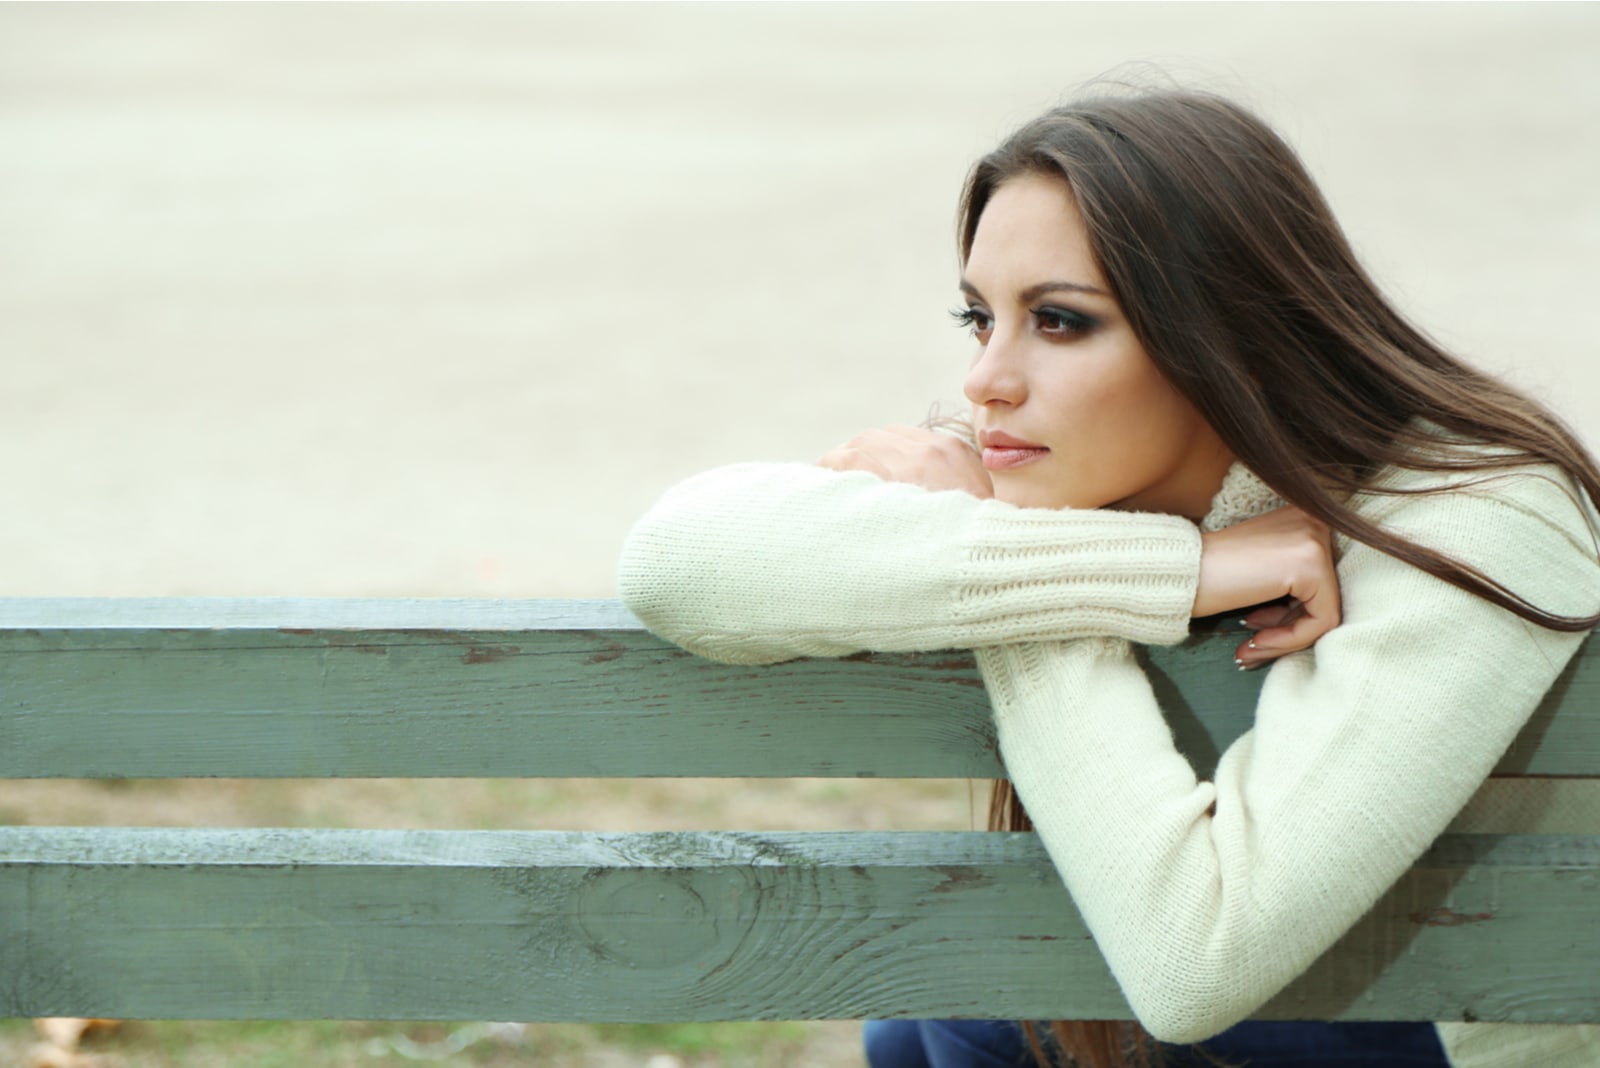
1035	496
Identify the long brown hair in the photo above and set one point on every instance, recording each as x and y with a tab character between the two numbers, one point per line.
1242	288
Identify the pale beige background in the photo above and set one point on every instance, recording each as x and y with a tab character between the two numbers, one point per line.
432	300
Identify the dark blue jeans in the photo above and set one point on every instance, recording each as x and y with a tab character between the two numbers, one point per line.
1252	1044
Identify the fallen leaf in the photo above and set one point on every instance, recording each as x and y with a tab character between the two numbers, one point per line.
44	1055
65	1032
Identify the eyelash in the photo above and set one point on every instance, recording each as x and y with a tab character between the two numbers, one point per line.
1071	323
967	318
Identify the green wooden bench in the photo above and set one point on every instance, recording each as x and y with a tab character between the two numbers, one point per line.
367	924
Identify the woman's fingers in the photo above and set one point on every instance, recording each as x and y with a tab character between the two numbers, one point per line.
926	458
849	458
1290	632
1316	596
1277	614
1285	557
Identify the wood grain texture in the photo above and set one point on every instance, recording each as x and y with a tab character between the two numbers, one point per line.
305	688
563	926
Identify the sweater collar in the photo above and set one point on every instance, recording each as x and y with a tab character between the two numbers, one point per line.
1242	496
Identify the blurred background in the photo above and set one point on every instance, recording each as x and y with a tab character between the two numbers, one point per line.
379	300
434	299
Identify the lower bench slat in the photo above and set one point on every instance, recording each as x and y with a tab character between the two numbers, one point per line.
157	923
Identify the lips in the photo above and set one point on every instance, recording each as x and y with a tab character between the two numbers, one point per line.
1002	451
999	439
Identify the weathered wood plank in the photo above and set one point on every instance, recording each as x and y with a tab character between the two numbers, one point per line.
263	688
131	704
548	926
311	613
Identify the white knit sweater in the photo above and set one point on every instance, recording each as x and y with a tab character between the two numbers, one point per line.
1206	897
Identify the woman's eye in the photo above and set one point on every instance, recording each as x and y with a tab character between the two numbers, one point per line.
973	319
1062	321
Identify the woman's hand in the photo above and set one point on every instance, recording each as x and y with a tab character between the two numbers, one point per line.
927	458
1284	555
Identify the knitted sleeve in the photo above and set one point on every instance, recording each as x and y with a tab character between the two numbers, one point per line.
757	563
1207	898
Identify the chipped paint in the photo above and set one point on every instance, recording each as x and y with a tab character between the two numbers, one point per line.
488	654
1446	917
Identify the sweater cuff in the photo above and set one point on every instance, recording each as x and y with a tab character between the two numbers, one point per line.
1045	575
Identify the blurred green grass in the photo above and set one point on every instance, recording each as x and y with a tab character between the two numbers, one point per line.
377	1044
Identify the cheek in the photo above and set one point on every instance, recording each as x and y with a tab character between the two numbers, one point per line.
1119	393
1143	388
1133	414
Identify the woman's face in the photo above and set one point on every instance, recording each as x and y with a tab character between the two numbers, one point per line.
1070	411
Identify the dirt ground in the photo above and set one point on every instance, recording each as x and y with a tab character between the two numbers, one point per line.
432	300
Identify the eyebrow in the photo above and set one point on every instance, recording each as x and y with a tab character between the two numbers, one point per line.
1039	289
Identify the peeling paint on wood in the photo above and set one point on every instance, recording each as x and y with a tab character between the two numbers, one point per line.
488	654
1444	917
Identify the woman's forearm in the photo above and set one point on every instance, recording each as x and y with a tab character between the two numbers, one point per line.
758	563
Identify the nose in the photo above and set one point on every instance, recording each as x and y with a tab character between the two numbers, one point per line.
996	376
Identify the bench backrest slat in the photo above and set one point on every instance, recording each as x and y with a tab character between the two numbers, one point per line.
158	923
348	688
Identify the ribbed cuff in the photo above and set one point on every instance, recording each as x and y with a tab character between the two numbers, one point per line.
1046	575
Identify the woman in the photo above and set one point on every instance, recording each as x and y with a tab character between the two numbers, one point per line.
1174	340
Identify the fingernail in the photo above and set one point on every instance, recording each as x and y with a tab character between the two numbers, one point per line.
1251	643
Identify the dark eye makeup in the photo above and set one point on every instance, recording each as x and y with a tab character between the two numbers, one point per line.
1052	321
1057	321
